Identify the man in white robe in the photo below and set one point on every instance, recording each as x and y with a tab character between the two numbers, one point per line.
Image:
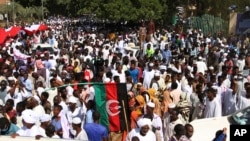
29	129
244	101
75	111
174	120
156	120
201	66
213	107
37	108
144	132
80	133
148	76
230	99
45	121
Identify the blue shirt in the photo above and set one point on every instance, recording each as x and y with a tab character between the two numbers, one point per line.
47	64
221	137
56	124
13	129
134	74
95	132
166	54
28	84
89	118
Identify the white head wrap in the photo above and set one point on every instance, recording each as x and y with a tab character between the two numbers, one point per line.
143	122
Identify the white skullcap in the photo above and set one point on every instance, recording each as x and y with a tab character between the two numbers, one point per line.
76	120
208	40
139	83
72	99
85	86
106	80
162	67
157	74
29	116
64	71
200	58
45	118
211	67
150	104
11	78
240	77
53	68
143	122
215	87
171	105
151	64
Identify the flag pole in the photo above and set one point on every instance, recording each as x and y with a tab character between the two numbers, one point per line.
125	115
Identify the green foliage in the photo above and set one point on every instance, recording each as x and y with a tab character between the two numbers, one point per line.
121	10
22	14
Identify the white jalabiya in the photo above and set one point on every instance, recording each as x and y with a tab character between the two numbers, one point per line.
201	67
147	77
157	123
39	111
150	136
42	132
82	136
243	102
212	109
229	102
52	93
32	132
220	93
170	128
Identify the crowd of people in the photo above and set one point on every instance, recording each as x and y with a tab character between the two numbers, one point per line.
171	78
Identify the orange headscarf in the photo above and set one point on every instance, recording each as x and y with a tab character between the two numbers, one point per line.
151	93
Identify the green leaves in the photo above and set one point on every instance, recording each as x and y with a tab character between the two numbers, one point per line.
133	10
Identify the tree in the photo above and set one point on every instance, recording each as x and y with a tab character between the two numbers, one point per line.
134	10
120	10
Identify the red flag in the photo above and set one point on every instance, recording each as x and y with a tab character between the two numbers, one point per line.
14	31
42	27
113	107
3	35
112	103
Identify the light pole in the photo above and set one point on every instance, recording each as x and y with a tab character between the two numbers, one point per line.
7	12
13	6
42	11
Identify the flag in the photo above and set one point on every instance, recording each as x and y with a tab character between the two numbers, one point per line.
3	35
112	103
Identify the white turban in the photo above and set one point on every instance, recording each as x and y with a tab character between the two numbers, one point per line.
29	116
45	118
143	122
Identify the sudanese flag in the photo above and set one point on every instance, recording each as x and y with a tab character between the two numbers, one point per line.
3	35
112	103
